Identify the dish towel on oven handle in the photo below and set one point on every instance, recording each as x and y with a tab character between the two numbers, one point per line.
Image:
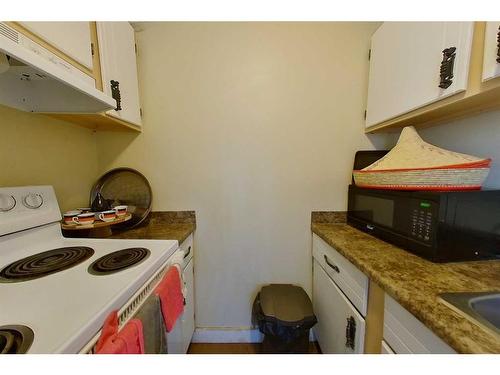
155	333
172	301
129	340
177	261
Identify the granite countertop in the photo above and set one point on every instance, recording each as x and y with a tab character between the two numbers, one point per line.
415	282
162	225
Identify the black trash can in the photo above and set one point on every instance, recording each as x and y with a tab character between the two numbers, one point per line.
284	315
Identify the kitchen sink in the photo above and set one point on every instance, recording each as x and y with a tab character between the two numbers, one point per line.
482	308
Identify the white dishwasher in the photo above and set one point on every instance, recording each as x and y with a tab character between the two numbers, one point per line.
339	301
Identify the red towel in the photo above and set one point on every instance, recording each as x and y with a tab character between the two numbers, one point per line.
130	340
172	301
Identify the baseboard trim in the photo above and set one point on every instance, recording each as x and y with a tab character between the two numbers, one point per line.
218	335
226	335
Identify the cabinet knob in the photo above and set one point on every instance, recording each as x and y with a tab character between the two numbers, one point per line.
446	70
498	45
115	93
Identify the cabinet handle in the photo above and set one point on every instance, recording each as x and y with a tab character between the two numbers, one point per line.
115	93
350	333
446	70
335	268
498	45
189	251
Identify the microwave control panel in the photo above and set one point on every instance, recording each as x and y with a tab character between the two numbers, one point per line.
422	220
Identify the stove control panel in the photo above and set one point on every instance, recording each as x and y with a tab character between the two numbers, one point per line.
24	207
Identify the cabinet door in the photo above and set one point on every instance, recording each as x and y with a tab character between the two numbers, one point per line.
118	63
405	66
386	349
188	315
72	38
405	334
175	343
333	311
491	59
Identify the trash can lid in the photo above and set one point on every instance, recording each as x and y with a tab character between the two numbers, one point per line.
285	302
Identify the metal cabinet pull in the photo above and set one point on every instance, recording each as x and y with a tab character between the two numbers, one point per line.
187	254
446	70
498	45
115	93
335	268
350	333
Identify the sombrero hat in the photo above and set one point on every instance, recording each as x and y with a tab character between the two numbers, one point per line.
414	164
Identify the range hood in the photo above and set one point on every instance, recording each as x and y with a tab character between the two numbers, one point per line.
33	79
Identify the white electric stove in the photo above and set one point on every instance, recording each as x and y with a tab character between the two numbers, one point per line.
52	290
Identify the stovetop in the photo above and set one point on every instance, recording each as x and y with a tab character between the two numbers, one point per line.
118	261
44	263
65	309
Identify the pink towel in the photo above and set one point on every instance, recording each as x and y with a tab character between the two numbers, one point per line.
172	301
130	340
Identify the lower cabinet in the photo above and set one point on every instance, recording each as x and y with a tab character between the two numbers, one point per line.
175	343
347	318
179	338
340	328
405	334
187	318
385	348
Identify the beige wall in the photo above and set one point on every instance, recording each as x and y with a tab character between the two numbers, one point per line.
253	125
38	150
478	135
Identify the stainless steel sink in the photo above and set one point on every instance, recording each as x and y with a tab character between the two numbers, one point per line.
482	308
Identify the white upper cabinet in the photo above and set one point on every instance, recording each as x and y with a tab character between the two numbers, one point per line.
491	59
119	68
407	66
71	38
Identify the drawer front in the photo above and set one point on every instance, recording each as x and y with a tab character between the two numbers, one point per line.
348	278
334	312
405	334
188	250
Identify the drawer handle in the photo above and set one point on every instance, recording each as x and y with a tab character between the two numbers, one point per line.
350	333
187	254
335	268
446	70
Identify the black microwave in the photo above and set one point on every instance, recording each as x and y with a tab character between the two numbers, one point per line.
438	226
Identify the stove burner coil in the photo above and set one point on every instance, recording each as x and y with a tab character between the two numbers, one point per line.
46	263
15	339
118	261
